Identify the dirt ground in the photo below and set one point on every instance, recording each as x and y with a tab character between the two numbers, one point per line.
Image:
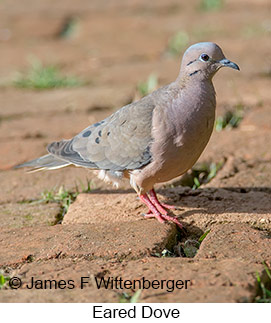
116	45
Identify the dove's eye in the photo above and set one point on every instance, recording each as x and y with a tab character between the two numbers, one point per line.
204	57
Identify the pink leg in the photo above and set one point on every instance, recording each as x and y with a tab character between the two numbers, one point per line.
155	212
160	206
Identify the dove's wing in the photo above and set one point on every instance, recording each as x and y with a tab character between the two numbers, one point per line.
121	141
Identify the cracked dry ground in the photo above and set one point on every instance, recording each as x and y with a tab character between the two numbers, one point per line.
103	233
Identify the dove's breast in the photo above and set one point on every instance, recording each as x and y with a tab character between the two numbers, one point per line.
181	131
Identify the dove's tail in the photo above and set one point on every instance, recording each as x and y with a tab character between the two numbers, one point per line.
46	162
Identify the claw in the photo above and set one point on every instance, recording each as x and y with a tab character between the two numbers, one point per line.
169	207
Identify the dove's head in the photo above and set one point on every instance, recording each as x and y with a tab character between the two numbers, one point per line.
204	60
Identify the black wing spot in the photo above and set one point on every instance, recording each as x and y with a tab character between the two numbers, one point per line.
100	133
147	153
97	140
108	133
87	133
98	123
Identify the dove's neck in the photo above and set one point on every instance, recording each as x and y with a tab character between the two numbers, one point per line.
197	83
197	75
196	98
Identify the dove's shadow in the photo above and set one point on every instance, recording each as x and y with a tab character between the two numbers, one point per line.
112	191
219	204
248	200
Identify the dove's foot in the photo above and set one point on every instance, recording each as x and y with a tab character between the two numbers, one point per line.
157	211
159	205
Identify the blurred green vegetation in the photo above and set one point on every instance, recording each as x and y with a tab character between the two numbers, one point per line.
231	119
3	280
62	196
126	298
145	88
203	173
210	5
187	248
190	248
69	28
177	43
45	77
264	291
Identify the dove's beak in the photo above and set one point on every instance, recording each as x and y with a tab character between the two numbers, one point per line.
227	63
